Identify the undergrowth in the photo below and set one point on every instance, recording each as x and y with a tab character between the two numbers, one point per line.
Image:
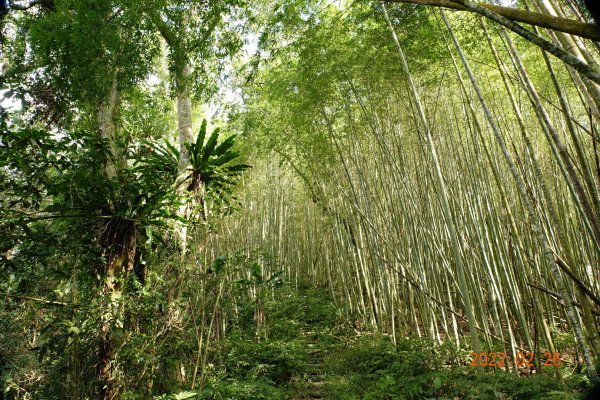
359	366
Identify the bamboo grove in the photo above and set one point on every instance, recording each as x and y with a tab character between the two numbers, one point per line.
447	201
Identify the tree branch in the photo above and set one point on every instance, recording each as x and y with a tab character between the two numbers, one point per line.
162	27
39	300
568	58
558	297
582	286
570	26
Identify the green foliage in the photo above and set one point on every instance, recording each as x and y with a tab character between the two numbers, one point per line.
211	162
81	46
15	358
335	63
54	182
147	113
291	310
330	104
372	367
50	185
199	35
469	385
213	168
177	396
221	388
54	227
276	361
244	368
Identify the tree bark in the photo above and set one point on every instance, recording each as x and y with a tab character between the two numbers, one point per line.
568	58
181	77
118	241
107	129
591	90
573	27
184	113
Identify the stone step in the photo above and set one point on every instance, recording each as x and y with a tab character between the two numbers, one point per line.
315	390
317	372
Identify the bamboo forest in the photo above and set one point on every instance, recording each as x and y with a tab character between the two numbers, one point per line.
299	199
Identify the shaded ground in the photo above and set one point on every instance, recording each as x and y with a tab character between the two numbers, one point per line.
312	352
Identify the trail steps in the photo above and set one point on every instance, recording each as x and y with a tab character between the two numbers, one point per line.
316	376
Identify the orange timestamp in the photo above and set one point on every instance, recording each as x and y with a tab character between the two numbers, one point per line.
522	359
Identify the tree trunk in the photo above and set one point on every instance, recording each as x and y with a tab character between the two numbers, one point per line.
107	129
118	240
184	128
560	24
568	58
184	113
570	44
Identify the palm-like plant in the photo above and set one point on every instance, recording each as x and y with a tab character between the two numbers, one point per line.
211	165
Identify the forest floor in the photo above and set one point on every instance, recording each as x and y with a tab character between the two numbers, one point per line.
313	352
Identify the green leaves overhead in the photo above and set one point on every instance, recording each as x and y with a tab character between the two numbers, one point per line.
200	35
82	45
